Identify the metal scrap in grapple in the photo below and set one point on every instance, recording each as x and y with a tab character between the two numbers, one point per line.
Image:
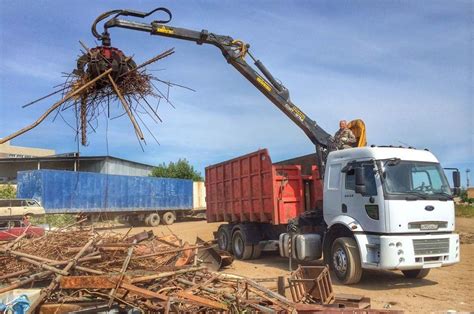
106	81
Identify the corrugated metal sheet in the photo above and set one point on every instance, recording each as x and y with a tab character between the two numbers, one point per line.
68	191
252	189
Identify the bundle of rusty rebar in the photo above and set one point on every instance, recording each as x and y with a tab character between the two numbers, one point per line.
83	268
112	90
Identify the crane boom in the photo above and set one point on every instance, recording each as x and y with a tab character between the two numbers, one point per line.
234	51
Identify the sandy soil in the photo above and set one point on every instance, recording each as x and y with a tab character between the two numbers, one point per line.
449	288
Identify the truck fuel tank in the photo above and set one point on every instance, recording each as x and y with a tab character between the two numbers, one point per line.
305	247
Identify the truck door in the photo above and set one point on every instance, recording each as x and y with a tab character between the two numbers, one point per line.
366	208
332	191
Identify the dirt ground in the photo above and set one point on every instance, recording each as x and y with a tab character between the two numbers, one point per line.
444	289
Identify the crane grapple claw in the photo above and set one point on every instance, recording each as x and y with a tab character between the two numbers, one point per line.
99	59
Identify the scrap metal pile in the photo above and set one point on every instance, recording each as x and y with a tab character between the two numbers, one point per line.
107	83
79	269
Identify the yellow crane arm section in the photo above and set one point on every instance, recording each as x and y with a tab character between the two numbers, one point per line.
358	128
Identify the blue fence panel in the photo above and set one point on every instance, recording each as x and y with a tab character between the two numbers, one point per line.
68	192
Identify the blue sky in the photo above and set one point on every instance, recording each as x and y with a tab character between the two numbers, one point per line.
404	67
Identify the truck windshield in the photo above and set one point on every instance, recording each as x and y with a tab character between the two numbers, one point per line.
415	179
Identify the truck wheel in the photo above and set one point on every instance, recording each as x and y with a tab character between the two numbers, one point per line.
223	238
345	260
416	273
154	219
147	220
169	218
257	251
240	249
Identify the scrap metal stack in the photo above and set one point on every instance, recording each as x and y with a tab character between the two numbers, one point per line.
84	269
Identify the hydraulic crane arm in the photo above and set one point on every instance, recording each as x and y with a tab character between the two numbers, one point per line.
234	51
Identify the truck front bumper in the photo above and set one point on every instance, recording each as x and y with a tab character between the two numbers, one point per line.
405	252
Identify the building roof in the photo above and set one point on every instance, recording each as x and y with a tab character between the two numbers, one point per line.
7	150
67	157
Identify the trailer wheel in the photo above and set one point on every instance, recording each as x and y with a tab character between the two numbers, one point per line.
223	238
416	273
153	219
169	218
345	260
147	220
240	248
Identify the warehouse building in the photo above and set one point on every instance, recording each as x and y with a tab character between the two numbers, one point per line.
10	151
72	162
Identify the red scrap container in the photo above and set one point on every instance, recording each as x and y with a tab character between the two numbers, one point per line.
252	189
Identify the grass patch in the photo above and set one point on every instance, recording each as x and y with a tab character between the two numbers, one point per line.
465	210
54	220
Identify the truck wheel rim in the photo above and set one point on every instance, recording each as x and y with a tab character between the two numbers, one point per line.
222	240
239	246
340	261
154	219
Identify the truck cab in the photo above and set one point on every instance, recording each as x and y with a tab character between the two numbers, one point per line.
387	208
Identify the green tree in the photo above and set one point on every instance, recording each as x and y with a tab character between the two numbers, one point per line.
180	170
464	198
7	191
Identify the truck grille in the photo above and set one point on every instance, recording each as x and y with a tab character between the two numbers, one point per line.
431	246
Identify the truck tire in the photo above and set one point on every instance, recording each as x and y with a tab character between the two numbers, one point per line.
345	260
241	249
147	220
257	251
416	273
224	241
169	218
154	219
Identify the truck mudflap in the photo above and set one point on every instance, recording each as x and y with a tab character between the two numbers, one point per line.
404	252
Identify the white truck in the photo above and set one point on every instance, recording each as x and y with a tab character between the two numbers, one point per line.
388	208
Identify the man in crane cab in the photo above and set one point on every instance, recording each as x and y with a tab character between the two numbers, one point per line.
344	138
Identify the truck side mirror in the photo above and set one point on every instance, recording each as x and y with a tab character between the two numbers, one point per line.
456	183
360	180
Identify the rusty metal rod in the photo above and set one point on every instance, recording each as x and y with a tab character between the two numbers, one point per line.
12	243
47	291
122	272
26	281
44	266
154	59
125	105
166	252
15	274
33	257
166	274
54	107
